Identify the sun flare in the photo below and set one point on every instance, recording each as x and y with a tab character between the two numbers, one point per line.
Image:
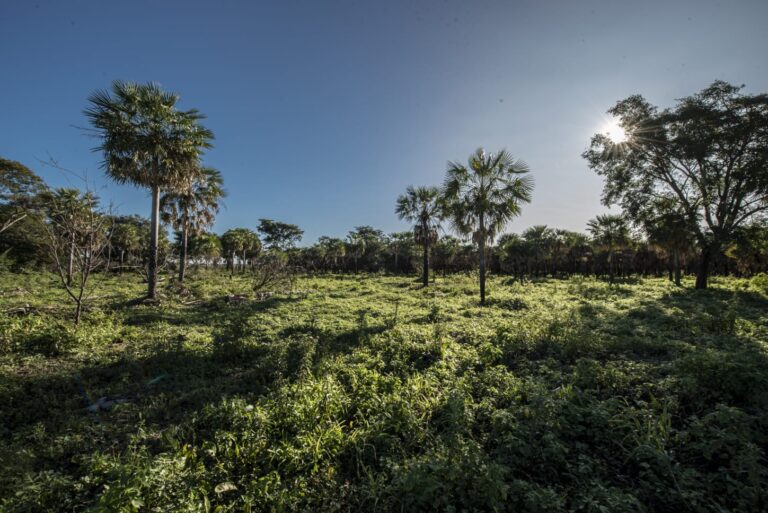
614	131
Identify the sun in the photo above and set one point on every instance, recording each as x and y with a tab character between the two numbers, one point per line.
614	131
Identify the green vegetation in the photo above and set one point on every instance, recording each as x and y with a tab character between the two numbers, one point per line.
295	383
373	393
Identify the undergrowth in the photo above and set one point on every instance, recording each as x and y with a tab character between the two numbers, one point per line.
371	393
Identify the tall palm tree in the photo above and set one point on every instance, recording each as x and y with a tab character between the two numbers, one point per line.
611	232
192	209
148	142
422	206
483	196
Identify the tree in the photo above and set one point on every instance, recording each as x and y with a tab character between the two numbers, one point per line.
77	235
279	235
147	141
193	209
749	249
708	154
667	227
365	242
541	242
611	232
333	249
483	196
206	246
421	205
19	187
242	242
125	238
400	244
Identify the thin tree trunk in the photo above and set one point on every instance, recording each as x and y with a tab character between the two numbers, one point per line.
78	311
71	262
482	261
154	233
677	268
183	252
425	273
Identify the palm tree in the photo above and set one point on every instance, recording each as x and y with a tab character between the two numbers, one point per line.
611	232
193	209
240	242
334	249
668	228
421	205
147	141
483	196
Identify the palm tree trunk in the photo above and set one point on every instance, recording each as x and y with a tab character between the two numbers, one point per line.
425	273
154	232
482	261
183	252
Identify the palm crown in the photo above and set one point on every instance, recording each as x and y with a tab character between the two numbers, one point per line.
145	139
421	206
486	194
194	207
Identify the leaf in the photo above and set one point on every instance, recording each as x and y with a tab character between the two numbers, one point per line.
225	487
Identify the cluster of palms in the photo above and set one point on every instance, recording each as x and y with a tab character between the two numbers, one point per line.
478	199
147	141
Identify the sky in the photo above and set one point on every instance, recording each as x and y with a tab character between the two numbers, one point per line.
325	111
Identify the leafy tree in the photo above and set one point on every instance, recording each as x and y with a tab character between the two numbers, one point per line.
242	242
147	141
192	209
709	154
749	248
421	206
445	252
365	242
125	237
19	187
483	196
666	226
77	237
206	246
611	232
541	242
333	249
400	244
279	235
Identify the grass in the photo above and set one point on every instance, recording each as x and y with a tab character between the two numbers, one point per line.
370	393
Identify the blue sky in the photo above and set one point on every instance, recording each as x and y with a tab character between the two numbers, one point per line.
325	111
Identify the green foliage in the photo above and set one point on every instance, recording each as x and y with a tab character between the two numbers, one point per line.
279	235
375	394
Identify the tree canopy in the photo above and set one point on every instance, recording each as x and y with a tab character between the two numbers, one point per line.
708	154
279	235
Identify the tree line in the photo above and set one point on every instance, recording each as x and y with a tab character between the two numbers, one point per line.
691	182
